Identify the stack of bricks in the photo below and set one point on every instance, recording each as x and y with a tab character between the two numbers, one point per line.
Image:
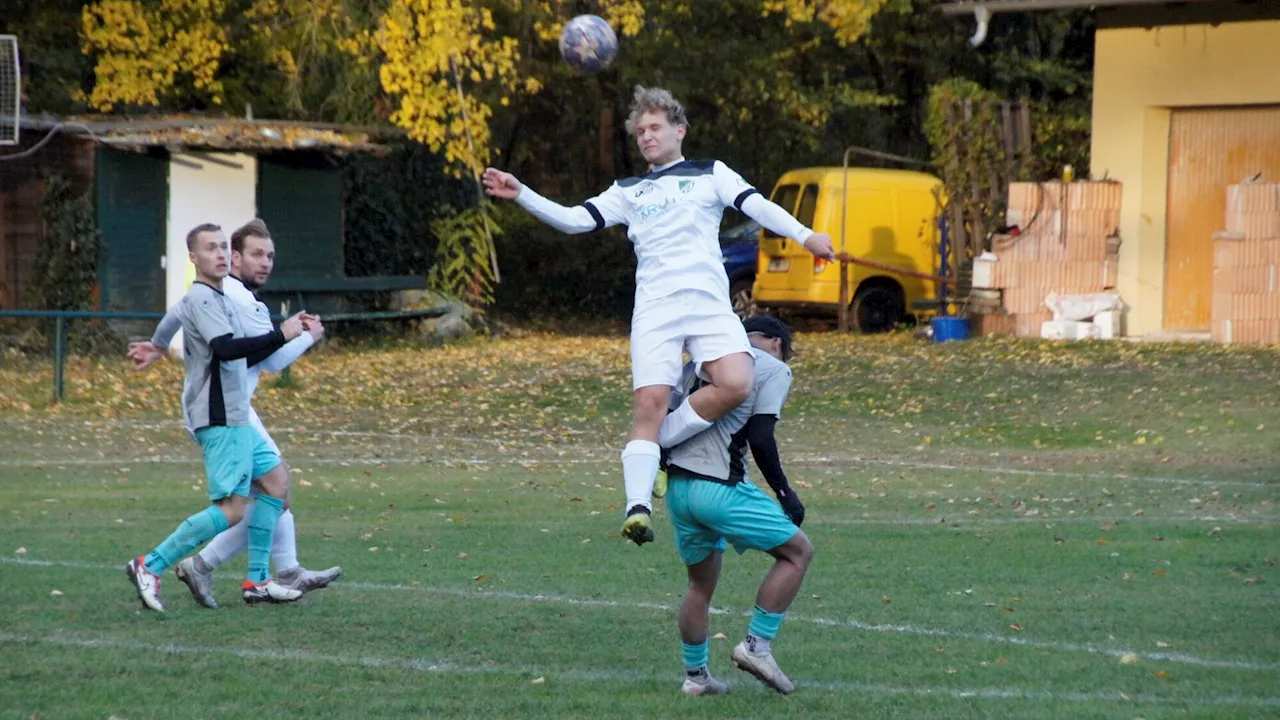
1067	246
1246	267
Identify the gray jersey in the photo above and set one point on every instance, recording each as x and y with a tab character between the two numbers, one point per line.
214	393
719	452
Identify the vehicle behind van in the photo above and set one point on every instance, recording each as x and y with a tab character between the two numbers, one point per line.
891	219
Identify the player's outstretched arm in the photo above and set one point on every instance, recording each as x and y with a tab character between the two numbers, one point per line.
779	221
599	212
737	192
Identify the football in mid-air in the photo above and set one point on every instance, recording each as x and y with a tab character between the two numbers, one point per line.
588	44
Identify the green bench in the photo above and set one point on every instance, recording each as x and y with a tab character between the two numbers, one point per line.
302	286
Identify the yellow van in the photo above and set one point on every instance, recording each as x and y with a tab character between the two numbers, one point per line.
892	219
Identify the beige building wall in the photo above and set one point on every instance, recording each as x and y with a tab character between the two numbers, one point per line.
1140	76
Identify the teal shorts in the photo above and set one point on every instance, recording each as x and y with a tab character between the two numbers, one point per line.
706	514
233	458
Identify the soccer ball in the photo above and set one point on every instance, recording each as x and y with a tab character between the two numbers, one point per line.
588	44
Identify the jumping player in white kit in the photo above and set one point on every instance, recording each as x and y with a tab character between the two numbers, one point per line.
672	214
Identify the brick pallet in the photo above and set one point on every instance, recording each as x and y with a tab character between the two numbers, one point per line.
1246	267
1067	245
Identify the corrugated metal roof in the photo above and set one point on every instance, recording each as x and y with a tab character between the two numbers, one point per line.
242	135
958	7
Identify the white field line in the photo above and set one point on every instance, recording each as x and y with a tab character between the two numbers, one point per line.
609	456
956	521
614	676
583	457
967	521
850	624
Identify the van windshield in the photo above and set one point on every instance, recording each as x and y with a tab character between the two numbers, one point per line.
785	196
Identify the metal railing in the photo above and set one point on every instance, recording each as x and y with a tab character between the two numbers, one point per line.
60	318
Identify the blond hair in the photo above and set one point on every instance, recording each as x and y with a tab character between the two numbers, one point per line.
654	100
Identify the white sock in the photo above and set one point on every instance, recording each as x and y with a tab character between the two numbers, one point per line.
639	466
681	425
284	546
757	644
228	543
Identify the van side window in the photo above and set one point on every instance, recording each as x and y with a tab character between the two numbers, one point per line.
808	204
785	196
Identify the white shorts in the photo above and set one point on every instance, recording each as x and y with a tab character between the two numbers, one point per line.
661	330
256	423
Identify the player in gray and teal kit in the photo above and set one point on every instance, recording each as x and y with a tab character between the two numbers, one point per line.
215	405
712	501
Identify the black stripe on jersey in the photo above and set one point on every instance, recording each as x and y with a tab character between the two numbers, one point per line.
742	197
595	214
687	168
217	403
738	456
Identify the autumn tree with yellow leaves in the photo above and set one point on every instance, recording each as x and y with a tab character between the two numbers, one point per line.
769	84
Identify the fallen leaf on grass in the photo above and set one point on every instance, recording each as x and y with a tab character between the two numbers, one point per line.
1253	580
463	555
538	681
20	551
1162	644
1162	674
1129	659
1102	542
1015	627
719	636
480	578
1160	572
56	593
886	600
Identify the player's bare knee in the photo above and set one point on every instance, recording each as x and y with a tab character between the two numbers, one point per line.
276	482
804	550
798	551
232	509
738	387
650	405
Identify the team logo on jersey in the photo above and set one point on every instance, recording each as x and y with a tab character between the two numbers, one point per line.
645	188
686	186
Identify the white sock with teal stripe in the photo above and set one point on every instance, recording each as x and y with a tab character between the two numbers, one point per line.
762	629
695	658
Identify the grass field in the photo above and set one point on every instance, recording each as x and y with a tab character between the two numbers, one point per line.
1003	529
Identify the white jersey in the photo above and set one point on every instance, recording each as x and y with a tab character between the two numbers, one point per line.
672	214
255	318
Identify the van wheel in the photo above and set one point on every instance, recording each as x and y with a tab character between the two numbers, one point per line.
744	305
877	309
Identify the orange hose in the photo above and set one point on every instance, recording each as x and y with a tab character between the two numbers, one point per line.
896	270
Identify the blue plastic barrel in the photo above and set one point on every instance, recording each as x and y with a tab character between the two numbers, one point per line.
949	328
